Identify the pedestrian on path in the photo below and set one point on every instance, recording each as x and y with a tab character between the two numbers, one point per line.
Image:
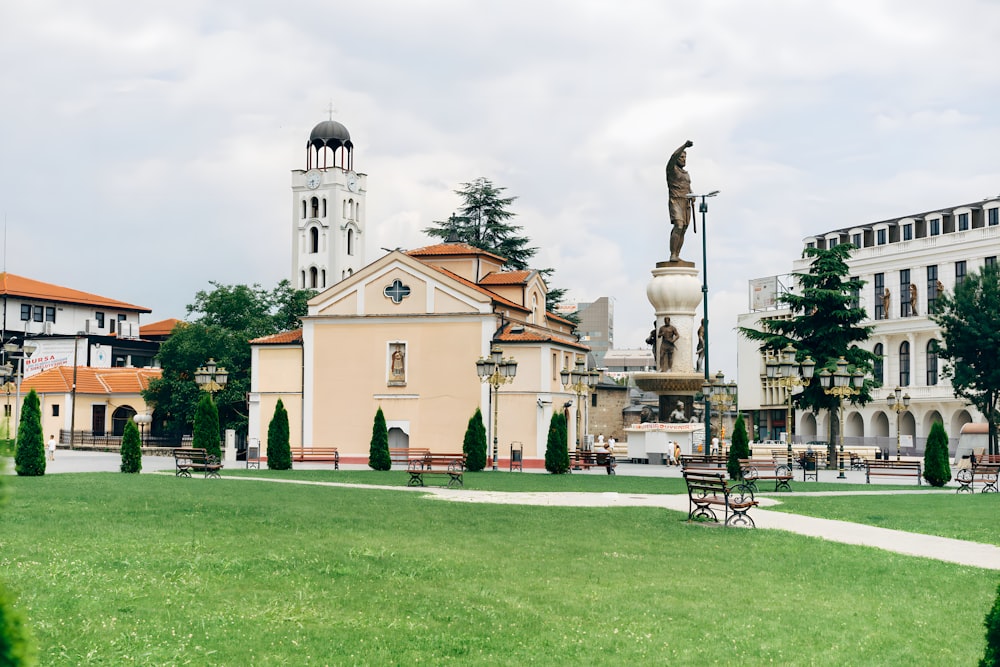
52	448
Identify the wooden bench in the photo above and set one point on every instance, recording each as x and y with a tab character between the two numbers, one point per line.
711	462
588	460
452	465
317	454
403	455
754	470
192	459
893	469
984	473
707	491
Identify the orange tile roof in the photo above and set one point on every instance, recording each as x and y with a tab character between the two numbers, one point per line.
493	295
13	285
452	249
283	338
506	277
533	336
91	380
161	328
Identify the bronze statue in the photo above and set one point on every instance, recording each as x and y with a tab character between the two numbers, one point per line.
678	189
678	416
913	299
668	336
700	350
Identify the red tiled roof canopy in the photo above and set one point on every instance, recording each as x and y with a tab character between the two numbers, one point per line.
161	328
283	338
452	249
506	277
14	285
91	380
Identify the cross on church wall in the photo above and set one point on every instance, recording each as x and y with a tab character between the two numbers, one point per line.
397	291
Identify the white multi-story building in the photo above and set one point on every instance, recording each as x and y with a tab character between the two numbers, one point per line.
905	264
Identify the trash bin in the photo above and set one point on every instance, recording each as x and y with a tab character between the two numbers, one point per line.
878	454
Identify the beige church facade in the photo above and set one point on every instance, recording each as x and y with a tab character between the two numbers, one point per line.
404	334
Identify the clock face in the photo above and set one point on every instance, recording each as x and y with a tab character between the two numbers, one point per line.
313	180
352	182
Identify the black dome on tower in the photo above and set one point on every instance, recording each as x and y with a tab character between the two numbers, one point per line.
330	134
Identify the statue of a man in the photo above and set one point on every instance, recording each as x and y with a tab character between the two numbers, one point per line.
678	189
668	336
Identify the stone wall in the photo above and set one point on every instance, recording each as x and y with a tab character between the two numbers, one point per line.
606	415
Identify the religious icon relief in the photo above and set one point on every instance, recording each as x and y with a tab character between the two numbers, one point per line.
397	364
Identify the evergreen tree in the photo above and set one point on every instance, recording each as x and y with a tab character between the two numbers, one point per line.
557	446
131	449
825	325
378	451
740	449
937	471
474	444
206	427
279	451
970	330
992	656
29	457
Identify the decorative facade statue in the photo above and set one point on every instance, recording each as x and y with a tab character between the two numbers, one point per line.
667	335
678	416
913	299
885	303
700	351
678	189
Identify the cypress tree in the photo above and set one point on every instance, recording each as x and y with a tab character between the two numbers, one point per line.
29	458
557	447
740	449
279	452
378	451
206	427
992	656
131	449
937	471
474	444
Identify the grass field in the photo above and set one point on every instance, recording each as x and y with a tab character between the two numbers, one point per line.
152	570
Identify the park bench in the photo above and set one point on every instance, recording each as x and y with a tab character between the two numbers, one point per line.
193	459
983	473
253	455
588	460
711	462
754	470
403	455
882	468
317	454
708	491
430	464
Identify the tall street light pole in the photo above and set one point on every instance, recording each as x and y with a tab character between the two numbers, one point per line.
722	395
786	373
897	405
841	384
579	380
211	377
19	352
703	209
496	371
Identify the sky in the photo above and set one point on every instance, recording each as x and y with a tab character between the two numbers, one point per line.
146	149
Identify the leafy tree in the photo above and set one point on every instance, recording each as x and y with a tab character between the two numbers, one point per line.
992	656
474	444
378	451
131	449
557	446
740	448
825	325
206	427
969	319
29	458
279	452
937	471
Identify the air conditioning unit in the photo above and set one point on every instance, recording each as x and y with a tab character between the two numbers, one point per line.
90	326
47	329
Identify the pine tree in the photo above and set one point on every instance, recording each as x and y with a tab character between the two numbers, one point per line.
937	471
29	458
557	447
131	449
206	427
279	452
378	451
992	656
474	444
740	449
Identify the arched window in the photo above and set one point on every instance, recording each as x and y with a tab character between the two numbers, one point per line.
324	207
313	277
879	367
315	207
357	211
904	364
323	279
932	362
345	214
350	241
303	283
314	240
303	208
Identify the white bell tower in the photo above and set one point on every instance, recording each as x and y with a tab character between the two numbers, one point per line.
328	210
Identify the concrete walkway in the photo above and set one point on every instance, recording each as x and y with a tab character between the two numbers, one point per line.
927	546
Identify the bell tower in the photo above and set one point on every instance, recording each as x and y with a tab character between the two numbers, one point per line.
328	210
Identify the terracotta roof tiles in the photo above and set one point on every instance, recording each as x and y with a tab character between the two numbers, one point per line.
14	285
456	249
506	277
283	338
91	380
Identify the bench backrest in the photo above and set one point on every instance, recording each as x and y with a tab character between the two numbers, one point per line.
915	465
705	481
190	453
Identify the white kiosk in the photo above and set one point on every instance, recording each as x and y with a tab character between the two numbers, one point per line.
654	441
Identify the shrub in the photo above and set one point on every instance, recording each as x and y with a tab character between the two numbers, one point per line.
279	452
16	648
474	444
992	656
378	452
29	457
557	447
740	449
131	448
937	471
206	427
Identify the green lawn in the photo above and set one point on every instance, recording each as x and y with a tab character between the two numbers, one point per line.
152	570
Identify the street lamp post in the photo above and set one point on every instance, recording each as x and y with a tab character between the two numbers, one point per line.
19	352
496	371
841	384
579	380
142	421
897	405
5	372
211	377
790	373
722	395
703	209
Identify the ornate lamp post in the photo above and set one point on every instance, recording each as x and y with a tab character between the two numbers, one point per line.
786	373
19	352
579	380
703	209
211	377
496	371
897	405
841	384
5	372
720	394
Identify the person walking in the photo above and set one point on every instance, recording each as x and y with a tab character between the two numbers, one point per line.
51	447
